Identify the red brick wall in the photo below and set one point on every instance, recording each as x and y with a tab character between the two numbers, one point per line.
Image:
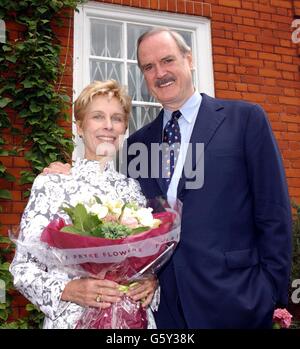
254	59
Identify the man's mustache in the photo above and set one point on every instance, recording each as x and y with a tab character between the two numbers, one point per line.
164	80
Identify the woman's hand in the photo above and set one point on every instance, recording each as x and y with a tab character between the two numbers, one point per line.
57	168
143	290
92	292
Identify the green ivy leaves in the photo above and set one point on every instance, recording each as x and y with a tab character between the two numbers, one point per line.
29	73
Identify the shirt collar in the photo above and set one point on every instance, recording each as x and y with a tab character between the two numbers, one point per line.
187	110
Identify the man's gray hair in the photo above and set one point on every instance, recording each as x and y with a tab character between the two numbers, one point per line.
179	40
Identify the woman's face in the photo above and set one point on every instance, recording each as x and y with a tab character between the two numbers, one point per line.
104	122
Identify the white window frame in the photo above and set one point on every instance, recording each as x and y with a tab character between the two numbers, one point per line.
2	31
200	26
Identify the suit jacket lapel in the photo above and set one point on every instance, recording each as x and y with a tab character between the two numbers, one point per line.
155	133
209	118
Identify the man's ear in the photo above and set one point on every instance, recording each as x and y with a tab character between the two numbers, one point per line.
189	57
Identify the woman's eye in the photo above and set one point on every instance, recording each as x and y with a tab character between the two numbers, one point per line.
117	118
98	116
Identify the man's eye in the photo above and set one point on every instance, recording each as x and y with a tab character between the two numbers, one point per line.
148	67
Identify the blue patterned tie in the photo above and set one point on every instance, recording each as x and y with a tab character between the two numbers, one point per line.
172	139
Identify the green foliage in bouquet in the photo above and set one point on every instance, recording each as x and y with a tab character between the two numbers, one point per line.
111	219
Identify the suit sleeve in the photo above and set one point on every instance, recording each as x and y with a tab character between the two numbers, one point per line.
272	210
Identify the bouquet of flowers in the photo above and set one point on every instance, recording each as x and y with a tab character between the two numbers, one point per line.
117	241
281	318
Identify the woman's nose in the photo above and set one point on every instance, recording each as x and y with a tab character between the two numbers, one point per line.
108	123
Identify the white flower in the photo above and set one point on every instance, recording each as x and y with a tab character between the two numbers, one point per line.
128	213
99	210
145	217
114	206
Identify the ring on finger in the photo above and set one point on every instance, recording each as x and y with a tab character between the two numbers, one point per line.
98	298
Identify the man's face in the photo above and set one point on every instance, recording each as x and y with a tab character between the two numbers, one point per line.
167	71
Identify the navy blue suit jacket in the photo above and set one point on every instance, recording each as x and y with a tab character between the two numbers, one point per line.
232	265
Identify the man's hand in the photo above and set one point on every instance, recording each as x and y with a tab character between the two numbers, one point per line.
57	168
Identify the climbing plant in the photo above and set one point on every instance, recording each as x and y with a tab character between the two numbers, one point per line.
31	96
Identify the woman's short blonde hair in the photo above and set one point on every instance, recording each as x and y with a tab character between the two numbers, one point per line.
108	88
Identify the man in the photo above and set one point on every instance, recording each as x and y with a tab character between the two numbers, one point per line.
231	267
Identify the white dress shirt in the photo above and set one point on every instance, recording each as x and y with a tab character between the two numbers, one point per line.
186	123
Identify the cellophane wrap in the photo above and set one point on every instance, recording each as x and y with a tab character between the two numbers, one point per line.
124	260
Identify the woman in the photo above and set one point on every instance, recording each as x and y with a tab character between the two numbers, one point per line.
101	113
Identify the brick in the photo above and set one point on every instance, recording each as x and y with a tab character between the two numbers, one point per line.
218	67
252	79
247	13
281	3
227	77
291	118
272	90
20	162
241	87
181	6
254	88
226	59
269	56
248	29
225	42
247	5
221	85
8	218
263	8
289	92
289	100
294	145
296	164
230	3
250	46
224	10
229	94
279	126
270	73
251	62
294	191
254	97
287	67
294	173
266	24
6	161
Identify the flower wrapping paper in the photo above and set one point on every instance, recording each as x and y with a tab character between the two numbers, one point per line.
123	260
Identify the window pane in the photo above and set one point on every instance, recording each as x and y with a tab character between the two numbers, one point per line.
187	37
136	85
133	33
106	38
102	70
2	31
142	115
